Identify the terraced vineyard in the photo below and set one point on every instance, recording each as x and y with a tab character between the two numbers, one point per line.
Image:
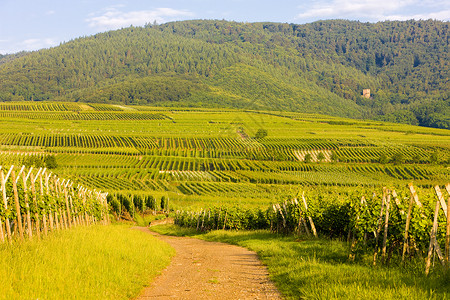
198	155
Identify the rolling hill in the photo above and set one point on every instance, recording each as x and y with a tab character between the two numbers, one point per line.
320	67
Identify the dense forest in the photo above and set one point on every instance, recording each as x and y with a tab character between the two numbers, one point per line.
318	67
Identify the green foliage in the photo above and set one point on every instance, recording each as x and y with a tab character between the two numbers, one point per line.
50	162
261	133
308	158
317	67
150	202
398	158
434	157
383	159
163	202
320	156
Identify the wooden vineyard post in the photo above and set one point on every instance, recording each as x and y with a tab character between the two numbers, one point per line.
50	213
41	193
397	201
408	220
313	228
66	197
2	235
352	247
445	208
27	205
5	202
58	218
62	214
88	220
447	235
379	224
441	199
386	223
16	201
416	198
36	215
433	243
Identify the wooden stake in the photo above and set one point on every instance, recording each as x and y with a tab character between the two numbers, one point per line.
66	196
5	202
36	215
27	205
447	235
441	199
305	226
313	228
2	235
432	238
16	200
56	220
386	223
44	213
408	220
380	218
414	194
397	202
379	224
50	220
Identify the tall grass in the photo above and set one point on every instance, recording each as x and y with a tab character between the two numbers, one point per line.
319	269
97	262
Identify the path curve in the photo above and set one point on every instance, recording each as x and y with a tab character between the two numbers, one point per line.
210	270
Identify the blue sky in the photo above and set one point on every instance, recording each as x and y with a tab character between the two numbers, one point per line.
35	24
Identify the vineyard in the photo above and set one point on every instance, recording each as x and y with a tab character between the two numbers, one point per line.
195	155
37	202
388	223
374	186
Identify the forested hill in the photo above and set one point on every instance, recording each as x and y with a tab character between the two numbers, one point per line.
320	67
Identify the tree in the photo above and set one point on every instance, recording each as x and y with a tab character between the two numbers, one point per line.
434	157
261	133
50	162
320	156
416	159
398	158
383	159
308	158
334	157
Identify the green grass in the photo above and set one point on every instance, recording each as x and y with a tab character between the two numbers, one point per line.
319	269
97	262
145	219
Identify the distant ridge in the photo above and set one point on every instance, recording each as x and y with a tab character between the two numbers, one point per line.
321	67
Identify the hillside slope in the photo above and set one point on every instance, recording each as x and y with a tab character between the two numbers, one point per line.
318	67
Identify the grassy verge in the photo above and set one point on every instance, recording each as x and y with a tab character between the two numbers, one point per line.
319	269
97	262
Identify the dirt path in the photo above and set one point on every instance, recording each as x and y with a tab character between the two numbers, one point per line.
209	270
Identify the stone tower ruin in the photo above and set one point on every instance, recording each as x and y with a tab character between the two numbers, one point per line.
366	93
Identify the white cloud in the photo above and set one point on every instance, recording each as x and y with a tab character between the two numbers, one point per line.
376	10
348	8
35	44
443	15
113	18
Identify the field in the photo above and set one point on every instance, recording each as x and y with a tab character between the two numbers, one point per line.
202	156
97	262
238	169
